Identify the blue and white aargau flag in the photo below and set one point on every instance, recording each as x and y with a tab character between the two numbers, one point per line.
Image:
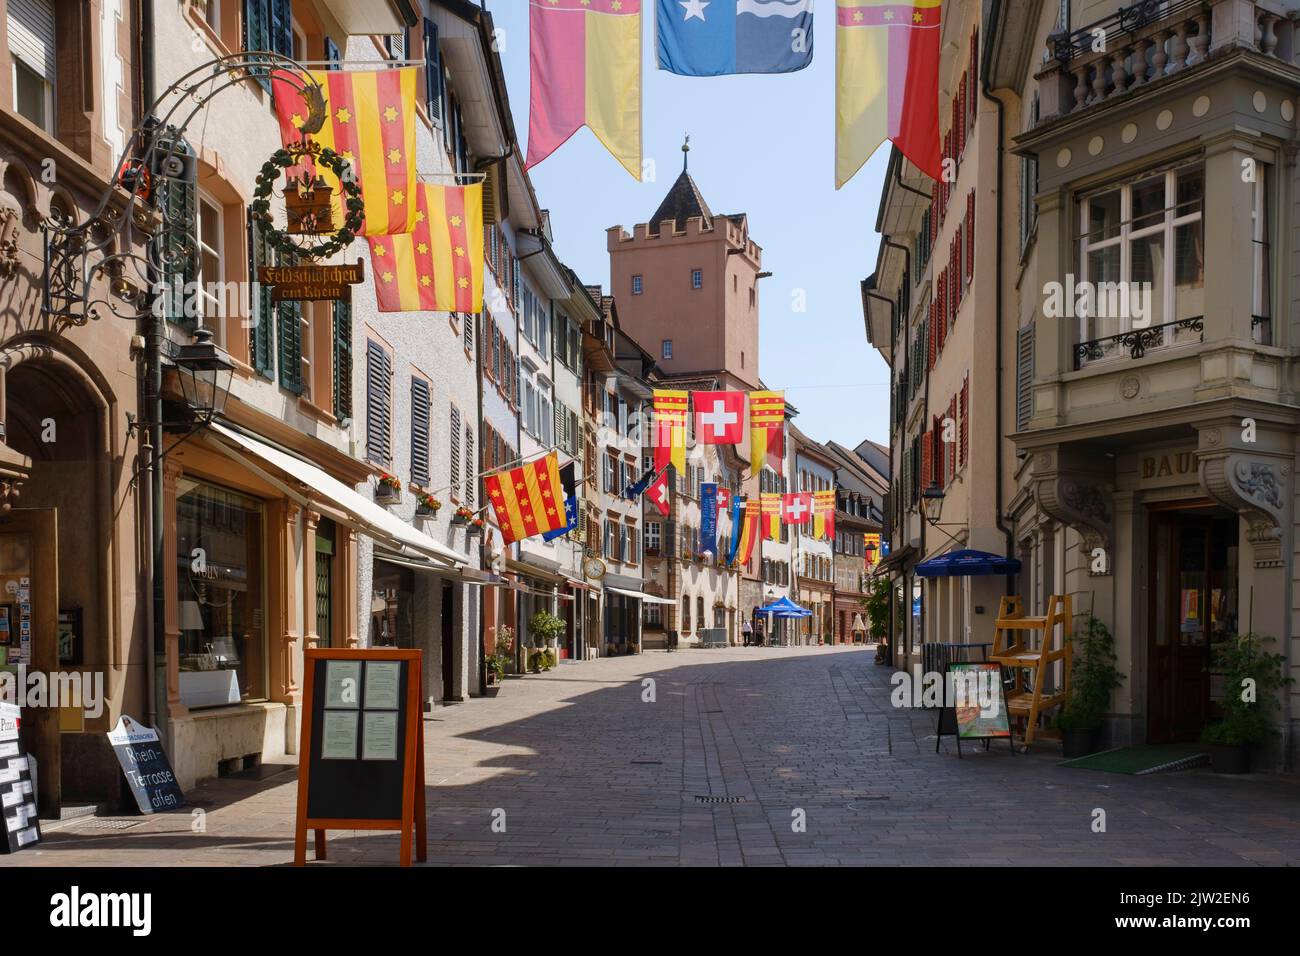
716	37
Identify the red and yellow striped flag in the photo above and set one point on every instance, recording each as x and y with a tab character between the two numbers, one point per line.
886	82
771	514
527	500
370	122
670	429
438	266
824	514
766	431
748	531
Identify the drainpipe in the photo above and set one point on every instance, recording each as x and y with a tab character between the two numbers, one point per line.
994	13
152	413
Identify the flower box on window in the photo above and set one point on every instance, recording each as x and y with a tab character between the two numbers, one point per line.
388	488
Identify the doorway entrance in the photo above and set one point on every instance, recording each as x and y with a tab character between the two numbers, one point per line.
1193	589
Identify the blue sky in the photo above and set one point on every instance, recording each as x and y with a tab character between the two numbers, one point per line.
761	145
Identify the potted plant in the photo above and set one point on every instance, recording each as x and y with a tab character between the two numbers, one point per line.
476	525
504	647
496	673
388	487
545	628
462	515
426	504
1251	677
1094	677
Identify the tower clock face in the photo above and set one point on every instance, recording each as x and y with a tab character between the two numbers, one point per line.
594	568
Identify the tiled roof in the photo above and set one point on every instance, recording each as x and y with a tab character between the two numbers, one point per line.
682	202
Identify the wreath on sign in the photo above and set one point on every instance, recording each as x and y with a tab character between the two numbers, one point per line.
287	158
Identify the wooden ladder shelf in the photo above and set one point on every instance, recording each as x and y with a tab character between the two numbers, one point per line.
1014	648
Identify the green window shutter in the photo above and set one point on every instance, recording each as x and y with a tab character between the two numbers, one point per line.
342	360
179	204
289	321
259	326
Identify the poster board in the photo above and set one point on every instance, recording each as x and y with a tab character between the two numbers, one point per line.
975	707
17	786
362	748
148	772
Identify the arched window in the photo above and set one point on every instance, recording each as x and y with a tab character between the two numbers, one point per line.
686	614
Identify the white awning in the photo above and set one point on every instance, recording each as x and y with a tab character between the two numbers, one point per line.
647	598
359	512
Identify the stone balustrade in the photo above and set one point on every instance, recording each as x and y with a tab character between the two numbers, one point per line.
1146	42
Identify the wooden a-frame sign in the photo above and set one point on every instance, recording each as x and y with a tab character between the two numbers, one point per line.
361	759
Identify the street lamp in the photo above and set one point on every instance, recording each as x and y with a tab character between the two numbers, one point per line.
932	502
206	371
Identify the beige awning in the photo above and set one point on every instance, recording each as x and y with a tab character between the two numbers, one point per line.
317	486
647	598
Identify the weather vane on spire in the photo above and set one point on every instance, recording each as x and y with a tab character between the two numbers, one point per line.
686	151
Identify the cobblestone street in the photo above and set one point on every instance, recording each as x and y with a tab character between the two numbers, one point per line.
715	771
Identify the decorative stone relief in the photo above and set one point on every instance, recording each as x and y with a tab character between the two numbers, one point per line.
1083	505
1253	488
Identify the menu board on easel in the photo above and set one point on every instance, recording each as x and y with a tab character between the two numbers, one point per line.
17	786
978	708
362	750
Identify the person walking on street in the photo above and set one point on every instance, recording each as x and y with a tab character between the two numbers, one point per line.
747	632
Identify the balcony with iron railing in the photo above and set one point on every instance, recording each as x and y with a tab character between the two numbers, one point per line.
1149	41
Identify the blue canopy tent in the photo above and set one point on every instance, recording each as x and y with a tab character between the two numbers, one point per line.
965	564
784	607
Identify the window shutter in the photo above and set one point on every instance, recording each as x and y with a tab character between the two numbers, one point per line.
282	27
454	457
961	105
257	34
934	214
378	403
333	54
432	72
289	318
970	235
420	408
951	449
965	417
1024	375
471	480
342	360
259	332
927	451
468	321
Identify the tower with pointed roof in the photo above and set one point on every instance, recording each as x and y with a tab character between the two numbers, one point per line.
687	285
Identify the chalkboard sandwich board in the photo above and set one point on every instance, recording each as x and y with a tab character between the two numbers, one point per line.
17	785
148	772
978	710
362	752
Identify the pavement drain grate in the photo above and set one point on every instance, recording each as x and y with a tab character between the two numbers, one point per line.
656	763
111	824
702	798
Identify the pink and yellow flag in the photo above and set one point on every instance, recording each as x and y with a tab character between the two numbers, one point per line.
585	70
886	83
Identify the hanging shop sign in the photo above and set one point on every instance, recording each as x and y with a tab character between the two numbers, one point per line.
362	749
308	201
144	762
17	785
295	283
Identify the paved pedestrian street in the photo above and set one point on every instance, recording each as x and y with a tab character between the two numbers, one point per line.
719	762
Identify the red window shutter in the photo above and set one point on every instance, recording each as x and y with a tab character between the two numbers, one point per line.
965	417
962	106
934	213
974	61
927	452
942	332
955	267
970	234
930	333
950	453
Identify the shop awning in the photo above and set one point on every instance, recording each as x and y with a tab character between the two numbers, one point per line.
357	512
895	560
966	563
647	598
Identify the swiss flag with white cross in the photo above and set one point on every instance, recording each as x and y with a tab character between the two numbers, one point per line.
719	417
658	493
796	507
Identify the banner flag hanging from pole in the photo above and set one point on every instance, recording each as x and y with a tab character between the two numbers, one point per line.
438	266
886	83
585	70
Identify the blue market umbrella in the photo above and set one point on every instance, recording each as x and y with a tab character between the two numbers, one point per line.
784	607
967	563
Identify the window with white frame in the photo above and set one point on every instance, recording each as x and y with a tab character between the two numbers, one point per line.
1261	227
653	531
211	258
666	349
637	285
1141	255
31	48
697	278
